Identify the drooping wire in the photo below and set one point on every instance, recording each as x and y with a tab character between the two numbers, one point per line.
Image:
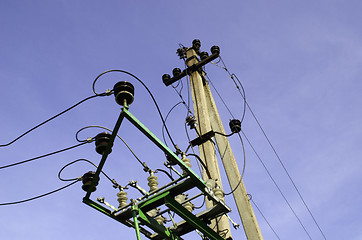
251	199
57	115
244	166
233	77
149	92
163	127
145	167
79	178
242	93
42	156
202	163
40	196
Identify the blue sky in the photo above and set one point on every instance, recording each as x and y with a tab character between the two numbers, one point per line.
299	62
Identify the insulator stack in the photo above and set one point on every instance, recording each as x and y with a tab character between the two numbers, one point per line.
188	205
122	198
87	181
235	125
123	93
160	219
152	182
102	140
186	161
219	193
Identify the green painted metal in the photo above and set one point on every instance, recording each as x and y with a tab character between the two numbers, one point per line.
164	197
107	151
155	226
192	219
135	212
198	181
97	206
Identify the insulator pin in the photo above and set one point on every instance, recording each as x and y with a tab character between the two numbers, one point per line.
204	55
196	44
102	141
235	125
191	121
166	78
215	50
123	92
87	181
176	71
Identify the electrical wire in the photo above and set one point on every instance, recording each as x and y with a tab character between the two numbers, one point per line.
269	142
42	156
237	86
244	166
149	92
163	127
43	195
202	163
251	199
286	171
276	185
165	172
79	178
57	115
145	167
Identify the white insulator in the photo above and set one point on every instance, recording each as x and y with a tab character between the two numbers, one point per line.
189	206
219	193
186	161
180	198
122	198
152	182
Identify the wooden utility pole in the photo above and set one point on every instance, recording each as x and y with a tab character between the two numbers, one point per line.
207	149
208	119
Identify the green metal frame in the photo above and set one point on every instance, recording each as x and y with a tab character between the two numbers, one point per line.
138	211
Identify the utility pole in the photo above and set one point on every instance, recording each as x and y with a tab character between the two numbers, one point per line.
207	149
209	120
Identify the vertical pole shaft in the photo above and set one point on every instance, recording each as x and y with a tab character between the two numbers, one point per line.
207	149
246	212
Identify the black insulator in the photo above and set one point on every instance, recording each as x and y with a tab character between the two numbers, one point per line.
191	121
181	52
165	78
235	125
176	71
102	141
87	181
215	50
123	92
196	44
204	55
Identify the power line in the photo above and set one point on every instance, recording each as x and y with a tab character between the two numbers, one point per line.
48	120
251	199
232	75
40	196
42	156
280	191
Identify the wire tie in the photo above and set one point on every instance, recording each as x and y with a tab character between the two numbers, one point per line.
108	92
89	140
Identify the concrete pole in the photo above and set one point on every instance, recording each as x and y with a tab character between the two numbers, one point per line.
207	149
245	209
